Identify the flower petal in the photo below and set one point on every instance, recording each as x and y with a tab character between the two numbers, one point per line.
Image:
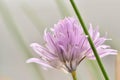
103	52
42	51
38	61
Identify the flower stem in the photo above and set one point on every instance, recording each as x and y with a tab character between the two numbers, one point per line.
74	75
89	39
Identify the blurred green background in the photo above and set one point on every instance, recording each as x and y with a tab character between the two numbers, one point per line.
23	22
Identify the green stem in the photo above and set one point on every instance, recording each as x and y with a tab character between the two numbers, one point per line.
89	39
74	75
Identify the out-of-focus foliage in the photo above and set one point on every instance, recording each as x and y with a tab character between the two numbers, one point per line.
23	22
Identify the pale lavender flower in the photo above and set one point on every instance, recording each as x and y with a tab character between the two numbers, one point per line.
67	46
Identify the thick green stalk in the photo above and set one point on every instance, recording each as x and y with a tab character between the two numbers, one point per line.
74	75
89	39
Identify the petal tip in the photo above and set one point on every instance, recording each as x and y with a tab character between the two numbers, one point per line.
28	61
33	44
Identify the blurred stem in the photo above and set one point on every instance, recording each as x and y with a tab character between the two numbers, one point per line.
62	8
118	67
96	75
73	73
89	39
31	14
12	27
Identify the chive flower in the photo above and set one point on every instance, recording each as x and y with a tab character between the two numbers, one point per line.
67	45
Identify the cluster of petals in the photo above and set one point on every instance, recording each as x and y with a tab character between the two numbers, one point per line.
67	45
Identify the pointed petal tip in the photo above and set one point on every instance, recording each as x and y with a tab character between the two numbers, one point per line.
28	61
33	44
90	27
32	60
45	31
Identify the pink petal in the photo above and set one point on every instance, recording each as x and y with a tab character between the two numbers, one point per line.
38	61
42	51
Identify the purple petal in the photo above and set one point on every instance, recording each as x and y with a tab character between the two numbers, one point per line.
38	61
103	52
42	51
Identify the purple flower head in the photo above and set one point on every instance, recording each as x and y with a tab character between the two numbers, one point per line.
67	46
